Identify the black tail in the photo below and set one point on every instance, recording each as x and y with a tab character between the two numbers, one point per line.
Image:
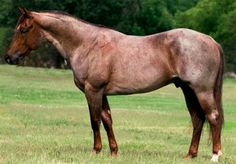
218	85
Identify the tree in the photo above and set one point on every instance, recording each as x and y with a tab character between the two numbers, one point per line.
216	18
226	33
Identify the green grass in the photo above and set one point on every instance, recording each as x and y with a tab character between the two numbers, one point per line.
44	119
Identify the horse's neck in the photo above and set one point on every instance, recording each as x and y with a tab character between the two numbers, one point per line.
66	33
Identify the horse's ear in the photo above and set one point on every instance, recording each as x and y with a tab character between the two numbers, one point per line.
24	12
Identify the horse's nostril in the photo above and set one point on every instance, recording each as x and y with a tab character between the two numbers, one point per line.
8	59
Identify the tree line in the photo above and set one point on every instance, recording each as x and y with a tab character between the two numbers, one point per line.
137	17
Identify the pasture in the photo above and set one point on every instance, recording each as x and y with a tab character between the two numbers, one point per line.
44	119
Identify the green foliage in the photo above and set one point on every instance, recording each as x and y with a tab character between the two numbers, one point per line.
2	37
5	10
226	34
154	16
203	17
180	5
3	40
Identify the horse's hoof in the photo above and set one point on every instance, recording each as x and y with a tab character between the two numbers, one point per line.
114	154
96	151
189	156
215	157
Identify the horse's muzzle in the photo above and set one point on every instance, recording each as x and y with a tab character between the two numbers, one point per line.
11	60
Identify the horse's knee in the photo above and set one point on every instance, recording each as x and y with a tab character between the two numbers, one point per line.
213	117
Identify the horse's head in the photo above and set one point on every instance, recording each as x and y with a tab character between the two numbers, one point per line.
26	37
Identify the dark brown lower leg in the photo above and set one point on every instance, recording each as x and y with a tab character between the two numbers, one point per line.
97	146
107	123
197	117
216	132
196	135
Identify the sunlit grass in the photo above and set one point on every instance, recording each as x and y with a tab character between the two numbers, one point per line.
44	119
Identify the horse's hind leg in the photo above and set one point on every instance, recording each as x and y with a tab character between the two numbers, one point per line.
197	117
214	116
107	123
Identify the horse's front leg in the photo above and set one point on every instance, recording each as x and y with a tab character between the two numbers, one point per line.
94	99
107	123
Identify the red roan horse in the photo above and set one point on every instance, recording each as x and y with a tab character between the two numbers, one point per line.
106	62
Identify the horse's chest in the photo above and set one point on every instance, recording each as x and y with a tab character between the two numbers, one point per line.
79	78
79	82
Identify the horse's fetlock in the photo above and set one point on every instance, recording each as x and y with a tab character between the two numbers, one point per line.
193	153
97	149
190	155
114	150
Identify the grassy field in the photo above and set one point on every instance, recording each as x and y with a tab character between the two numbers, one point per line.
44	119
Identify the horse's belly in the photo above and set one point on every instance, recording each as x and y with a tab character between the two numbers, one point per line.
125	90
137	83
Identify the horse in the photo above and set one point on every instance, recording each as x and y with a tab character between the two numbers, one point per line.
107	62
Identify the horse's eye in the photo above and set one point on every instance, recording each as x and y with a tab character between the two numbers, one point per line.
24	30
